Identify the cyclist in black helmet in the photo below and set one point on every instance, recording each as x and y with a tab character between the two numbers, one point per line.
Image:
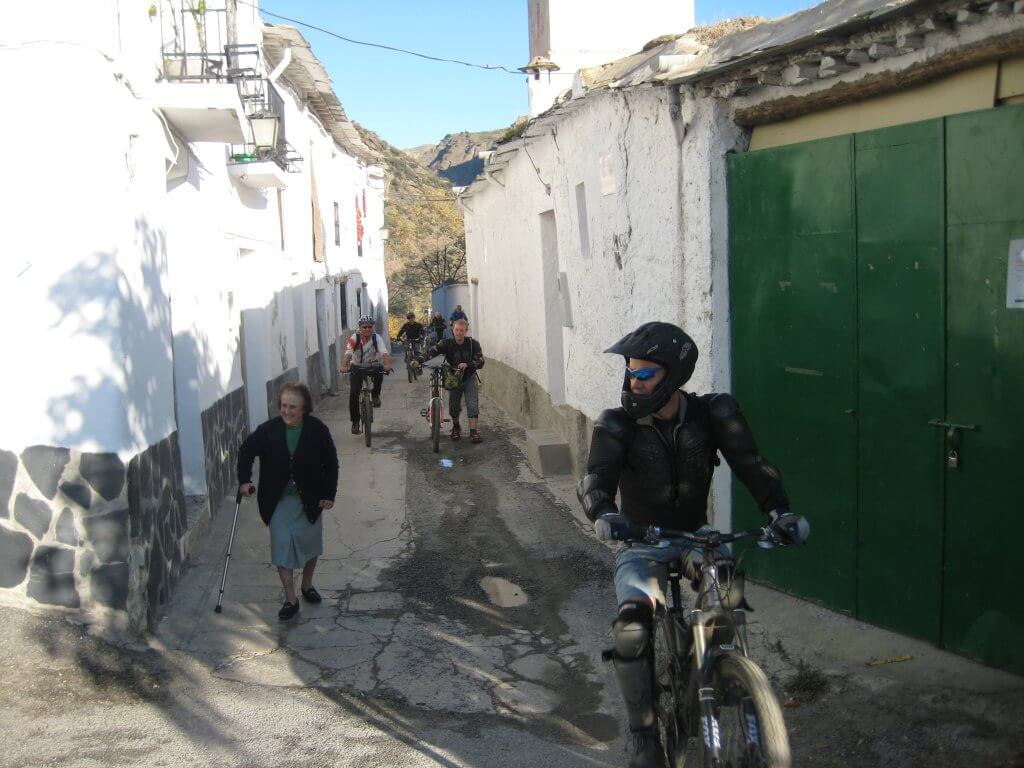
658	452
412	332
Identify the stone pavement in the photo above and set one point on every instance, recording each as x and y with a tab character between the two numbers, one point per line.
466	605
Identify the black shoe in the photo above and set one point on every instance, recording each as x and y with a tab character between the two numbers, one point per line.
376	402
311	595
288	611
456	431
647	751
355	428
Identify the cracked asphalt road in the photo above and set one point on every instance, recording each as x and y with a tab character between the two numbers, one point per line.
465	611
464	614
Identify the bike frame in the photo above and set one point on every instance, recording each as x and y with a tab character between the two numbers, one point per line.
696	622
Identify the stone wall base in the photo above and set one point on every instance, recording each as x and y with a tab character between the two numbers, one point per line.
225	426
82	533
529	404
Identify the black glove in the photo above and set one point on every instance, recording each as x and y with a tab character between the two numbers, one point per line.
788	528
612	526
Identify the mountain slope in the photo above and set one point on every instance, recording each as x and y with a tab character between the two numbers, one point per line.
421	217
456	156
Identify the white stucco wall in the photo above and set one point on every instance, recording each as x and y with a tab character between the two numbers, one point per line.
128	297
652	166
84	286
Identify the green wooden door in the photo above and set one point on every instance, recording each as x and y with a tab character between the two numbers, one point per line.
900	369
793	320
868	279
983	614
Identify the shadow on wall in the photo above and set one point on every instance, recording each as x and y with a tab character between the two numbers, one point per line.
98	535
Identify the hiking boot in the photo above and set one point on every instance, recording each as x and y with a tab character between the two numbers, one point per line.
474	436
647	751
376	402
456	431
355	428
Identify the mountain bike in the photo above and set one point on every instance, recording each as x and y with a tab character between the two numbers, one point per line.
434	412
707	689
411	350
366	397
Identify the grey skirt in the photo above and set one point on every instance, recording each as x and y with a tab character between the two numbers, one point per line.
294	541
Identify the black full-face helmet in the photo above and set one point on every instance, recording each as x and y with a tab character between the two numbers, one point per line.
664	344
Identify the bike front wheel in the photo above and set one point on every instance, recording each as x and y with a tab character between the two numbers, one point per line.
670	691
367	414
435	423
751	728
409	370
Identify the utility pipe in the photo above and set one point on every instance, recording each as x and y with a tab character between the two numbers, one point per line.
283	64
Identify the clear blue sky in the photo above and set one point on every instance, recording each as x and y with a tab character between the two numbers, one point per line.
410	101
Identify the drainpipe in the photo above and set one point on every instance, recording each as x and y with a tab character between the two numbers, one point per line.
283	64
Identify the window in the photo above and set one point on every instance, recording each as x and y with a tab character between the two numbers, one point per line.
337	225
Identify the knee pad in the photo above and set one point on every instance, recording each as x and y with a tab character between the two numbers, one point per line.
631	631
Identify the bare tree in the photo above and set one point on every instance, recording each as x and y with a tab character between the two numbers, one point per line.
445	265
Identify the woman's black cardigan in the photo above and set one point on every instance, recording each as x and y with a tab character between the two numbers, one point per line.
315	466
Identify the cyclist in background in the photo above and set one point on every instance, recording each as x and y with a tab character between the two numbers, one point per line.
658	451
365	347
437	328
465	355
412	332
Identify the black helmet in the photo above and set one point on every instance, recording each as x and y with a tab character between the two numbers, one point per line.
410	316
664	344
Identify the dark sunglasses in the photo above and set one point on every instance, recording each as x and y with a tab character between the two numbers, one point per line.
642	374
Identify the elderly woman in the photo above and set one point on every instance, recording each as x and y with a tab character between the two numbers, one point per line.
465	355
298	480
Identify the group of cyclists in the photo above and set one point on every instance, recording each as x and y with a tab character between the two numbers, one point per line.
367	355
650	463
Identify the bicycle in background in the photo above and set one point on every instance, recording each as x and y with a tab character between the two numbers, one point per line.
412	349
434	412
366	397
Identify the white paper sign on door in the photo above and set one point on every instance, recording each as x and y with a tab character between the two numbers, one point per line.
1015	276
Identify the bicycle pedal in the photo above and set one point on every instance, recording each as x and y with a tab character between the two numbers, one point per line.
423	412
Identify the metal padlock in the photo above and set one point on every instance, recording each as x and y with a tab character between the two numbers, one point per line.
953	460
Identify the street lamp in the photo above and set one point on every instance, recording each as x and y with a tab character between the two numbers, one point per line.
264	131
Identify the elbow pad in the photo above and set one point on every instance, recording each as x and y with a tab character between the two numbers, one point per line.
594	499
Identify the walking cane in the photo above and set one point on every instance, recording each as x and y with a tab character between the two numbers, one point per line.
227	559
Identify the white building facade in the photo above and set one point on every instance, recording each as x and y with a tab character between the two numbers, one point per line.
226	228
612	207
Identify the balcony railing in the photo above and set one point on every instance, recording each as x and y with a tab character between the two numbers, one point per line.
194	41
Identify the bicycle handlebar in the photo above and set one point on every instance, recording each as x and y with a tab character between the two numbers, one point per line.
710	539
376	367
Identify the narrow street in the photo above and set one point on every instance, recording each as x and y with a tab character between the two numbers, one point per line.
465	610
462	624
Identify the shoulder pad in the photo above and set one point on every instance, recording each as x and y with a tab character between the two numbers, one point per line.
615	422
723	406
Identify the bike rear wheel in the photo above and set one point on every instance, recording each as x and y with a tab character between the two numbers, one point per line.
750	722
366	408
435	423
670	691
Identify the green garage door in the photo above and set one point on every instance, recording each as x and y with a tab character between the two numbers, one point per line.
869	313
